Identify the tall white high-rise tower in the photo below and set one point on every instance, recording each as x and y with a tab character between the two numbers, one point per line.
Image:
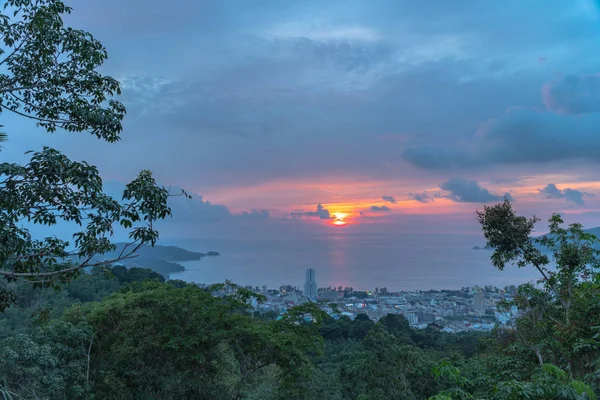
310	284
479	302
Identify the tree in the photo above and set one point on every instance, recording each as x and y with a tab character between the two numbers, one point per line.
159	341
361	326
572	249
549	382
51	78
387	368
557	316
50	362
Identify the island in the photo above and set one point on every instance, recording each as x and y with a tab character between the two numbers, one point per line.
486	247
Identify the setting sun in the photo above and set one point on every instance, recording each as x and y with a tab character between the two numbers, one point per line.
340	218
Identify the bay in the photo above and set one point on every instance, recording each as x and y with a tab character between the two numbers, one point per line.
363	261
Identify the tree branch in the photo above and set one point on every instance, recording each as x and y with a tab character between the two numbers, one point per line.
19	88
85	264
89	359
57	121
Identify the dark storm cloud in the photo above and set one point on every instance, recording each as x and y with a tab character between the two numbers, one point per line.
575	196
380	208
321	213
390	199
465	191
421	197
573	94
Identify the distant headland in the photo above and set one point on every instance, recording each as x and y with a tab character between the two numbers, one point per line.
161	259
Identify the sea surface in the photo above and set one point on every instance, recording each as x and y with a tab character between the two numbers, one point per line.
362	261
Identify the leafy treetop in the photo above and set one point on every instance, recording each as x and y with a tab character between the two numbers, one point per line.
49	71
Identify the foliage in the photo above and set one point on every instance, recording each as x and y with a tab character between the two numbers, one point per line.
163	340
36	307
557	317
50	76
51	362
51	189
51	71
175	340
170	342
548	383
555	325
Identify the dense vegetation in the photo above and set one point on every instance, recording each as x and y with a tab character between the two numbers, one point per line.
119	333
150	339
126	334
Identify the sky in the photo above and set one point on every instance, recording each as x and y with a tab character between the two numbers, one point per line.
388	116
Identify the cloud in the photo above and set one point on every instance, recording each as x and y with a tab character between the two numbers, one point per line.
521	136
321	213
278	77
196	209
255	214
421	197
565	130
199	210
380	208
553	192
324	34
390	199
465	191
573	94
285	91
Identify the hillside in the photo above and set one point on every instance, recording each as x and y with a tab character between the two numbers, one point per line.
161	259
594	231
167	253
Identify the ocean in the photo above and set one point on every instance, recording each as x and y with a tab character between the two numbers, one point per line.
362	261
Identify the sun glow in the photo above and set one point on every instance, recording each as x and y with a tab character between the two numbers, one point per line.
340	218
340	215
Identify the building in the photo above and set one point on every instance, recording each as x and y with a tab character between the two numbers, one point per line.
479	302
425	318
310	284
329	295
412	318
